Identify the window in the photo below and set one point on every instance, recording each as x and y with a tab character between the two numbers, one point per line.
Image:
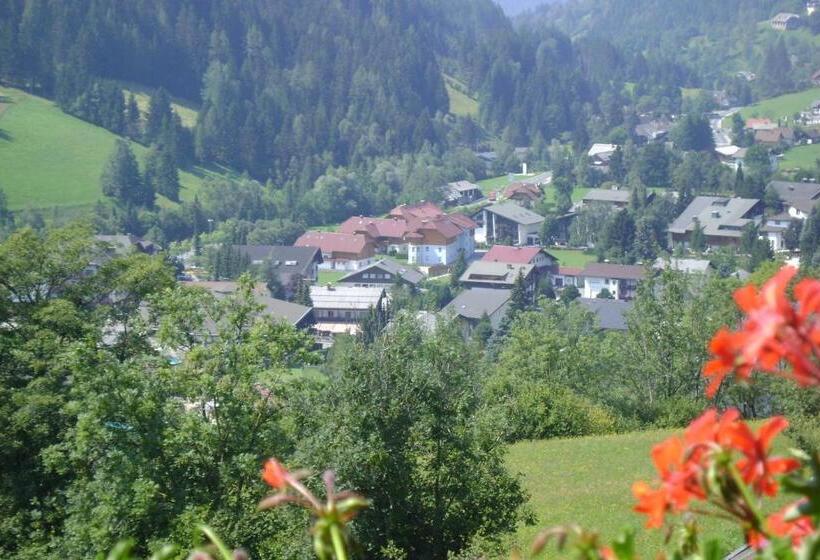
330	313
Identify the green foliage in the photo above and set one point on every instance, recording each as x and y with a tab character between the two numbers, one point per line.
693	133
407	409
121	179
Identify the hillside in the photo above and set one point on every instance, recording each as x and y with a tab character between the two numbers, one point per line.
51	159
588	480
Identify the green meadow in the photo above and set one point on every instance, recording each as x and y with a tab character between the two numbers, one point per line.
49	159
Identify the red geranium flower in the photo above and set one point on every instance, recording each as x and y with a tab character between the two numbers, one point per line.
275	474
797	529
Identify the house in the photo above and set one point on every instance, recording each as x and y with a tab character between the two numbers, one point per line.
688	266
543	262
121	245
568	276
653	131
798	198
600	154
610	314
811	117
495	275
611	197
383	273
424	232
277	310
731	155
775	136
340	251
470	306
522	193
340	309
785	21
508	223
621	280
760	124
721	218
289	263
774	230
460	193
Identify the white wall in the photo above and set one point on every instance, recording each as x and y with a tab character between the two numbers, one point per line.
429	255
344	264
594	285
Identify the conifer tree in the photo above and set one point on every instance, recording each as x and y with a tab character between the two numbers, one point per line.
122	181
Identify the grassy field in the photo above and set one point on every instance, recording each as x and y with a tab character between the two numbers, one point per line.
800	157
461	104
783	106
50	159
588	481
498	183
571	257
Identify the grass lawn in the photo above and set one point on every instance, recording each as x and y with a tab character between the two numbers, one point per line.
571	257
461	104
783	106
51	159
588	481
330	276
498	183
801	157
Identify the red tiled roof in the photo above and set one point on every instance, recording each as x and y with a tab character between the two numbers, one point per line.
512	255
463	221
331	242
420	210
527	189
393	228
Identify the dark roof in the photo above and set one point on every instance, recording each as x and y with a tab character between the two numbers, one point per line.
407	273
611	313
717	215
617	271
473	303
515	213
607	195
276	309
803	196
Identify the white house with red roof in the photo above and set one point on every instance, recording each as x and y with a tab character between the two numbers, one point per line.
340	251
543	262
424	232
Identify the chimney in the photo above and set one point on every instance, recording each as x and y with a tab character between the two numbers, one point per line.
524	168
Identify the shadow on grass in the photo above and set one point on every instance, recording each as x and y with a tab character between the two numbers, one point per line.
5	136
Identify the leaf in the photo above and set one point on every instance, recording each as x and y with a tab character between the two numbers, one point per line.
624	545
220	546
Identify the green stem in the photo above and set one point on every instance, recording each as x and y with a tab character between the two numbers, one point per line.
748	498
338	542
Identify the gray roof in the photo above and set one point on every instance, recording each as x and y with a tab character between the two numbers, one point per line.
408	274
718	216
498	273
616	271
276	309
515	213
803	196
473	303
607	195
345	297
538	180
652	129
683	265
611	313
463	186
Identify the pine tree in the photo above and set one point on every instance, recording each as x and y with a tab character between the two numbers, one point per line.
132	117
458	268
302	294
159	115
810	239
122	181
161	172
697	241
518	295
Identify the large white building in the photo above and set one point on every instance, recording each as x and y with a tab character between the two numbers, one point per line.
508	223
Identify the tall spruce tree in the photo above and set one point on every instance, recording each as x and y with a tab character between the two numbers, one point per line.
121	179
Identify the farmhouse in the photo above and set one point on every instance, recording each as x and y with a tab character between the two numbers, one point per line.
760	124
340	251
384	273
471	305
523	194
460	193
775	136
722	219
508	223
785	21
339	309
494	275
